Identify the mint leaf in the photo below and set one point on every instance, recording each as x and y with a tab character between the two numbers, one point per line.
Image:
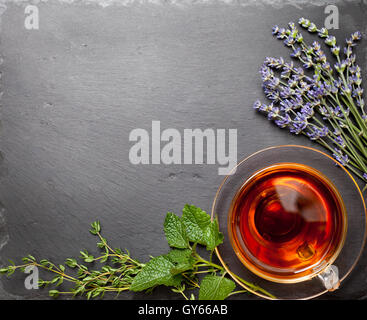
195	221
200	228
156	272
215	288
212	236
175	231
182	260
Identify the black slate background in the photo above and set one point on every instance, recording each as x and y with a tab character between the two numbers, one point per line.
74	90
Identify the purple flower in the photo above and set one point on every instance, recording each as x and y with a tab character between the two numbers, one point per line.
347	89
335	50
289	41
326	66
275	30
356	36
266	73
308	64
330	41
273	83
353	70
283	121
365	176
257	105
317	92
297	101
297	128
286	92
318	133
350	42
286	105
312	27
334	90
338	83
273	95
307	111
299	124
340	67
316	45
299	71
323	131
273	112
340	157
281	33
358	92
321	57
324	112
323	33
304	22
296	53
313	135
337	111
263	108
339	141
347	51
292	82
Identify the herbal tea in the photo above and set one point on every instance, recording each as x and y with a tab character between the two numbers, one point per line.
286	222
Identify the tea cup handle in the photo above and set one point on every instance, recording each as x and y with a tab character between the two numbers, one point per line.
330	277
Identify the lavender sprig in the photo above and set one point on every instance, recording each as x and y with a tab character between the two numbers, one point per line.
320	99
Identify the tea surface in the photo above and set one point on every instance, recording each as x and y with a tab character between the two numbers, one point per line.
285	220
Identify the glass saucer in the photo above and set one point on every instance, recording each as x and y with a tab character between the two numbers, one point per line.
339	177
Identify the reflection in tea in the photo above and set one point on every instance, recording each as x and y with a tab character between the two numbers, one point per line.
285	221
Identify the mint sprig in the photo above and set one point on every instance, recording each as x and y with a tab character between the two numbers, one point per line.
182	268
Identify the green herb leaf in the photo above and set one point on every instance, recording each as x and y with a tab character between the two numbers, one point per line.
212	236
96	227
215	288
53	293
182	260
200	228
175	231
4	270
195	221
156	272
72	263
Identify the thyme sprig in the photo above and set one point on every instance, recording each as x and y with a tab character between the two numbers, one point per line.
181	269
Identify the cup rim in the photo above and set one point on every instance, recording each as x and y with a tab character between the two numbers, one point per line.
277	147
322	264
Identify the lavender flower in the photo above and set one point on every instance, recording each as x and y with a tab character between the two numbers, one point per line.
323	33
275	30
296	53
283	121
286	106
307	111
257	105
340	157
312	27
339	141
340	67
330	41
335	50
319	99
356	36
273	112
